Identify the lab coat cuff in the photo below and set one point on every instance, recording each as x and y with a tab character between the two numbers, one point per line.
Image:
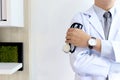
116	48
106	48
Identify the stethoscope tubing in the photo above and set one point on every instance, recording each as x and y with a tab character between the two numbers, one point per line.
74	25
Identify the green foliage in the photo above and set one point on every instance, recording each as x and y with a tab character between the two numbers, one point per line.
8	54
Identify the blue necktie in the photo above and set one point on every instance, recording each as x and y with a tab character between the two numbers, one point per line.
107	23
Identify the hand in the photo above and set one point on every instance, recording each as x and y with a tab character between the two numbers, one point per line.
77	37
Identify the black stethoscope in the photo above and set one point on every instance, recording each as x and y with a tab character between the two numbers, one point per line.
69	47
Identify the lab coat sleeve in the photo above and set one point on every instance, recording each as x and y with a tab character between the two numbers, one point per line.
112	51
107	49
116	48
84	63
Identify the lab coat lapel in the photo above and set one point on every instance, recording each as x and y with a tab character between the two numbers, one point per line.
114	26
94	21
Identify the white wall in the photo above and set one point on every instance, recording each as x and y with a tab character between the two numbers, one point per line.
49	22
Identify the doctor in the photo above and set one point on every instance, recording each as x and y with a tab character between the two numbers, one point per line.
97	55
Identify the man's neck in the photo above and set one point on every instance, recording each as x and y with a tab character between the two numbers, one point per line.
106	5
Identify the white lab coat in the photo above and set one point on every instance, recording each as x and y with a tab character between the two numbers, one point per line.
96	66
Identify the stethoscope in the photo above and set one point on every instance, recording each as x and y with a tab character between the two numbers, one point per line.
69	47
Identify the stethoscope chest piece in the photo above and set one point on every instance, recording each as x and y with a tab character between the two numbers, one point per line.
66	48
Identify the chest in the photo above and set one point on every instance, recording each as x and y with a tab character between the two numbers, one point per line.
95	29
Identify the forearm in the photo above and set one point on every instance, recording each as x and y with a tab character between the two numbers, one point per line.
109	49
85	63
105	49
98	45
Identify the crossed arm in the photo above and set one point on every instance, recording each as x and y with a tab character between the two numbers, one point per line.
98	63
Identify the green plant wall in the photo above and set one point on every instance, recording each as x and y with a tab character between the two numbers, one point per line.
8	54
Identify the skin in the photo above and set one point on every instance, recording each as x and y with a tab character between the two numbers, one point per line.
105	4
78	37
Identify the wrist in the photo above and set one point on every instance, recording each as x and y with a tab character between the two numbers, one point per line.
94	43
98	45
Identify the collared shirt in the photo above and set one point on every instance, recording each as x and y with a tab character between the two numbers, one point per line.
100	12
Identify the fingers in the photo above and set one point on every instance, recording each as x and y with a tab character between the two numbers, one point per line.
70	31
69	35
68	39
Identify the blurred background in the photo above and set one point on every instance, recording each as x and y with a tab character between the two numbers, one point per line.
49	21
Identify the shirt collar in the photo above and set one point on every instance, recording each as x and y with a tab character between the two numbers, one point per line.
99	11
